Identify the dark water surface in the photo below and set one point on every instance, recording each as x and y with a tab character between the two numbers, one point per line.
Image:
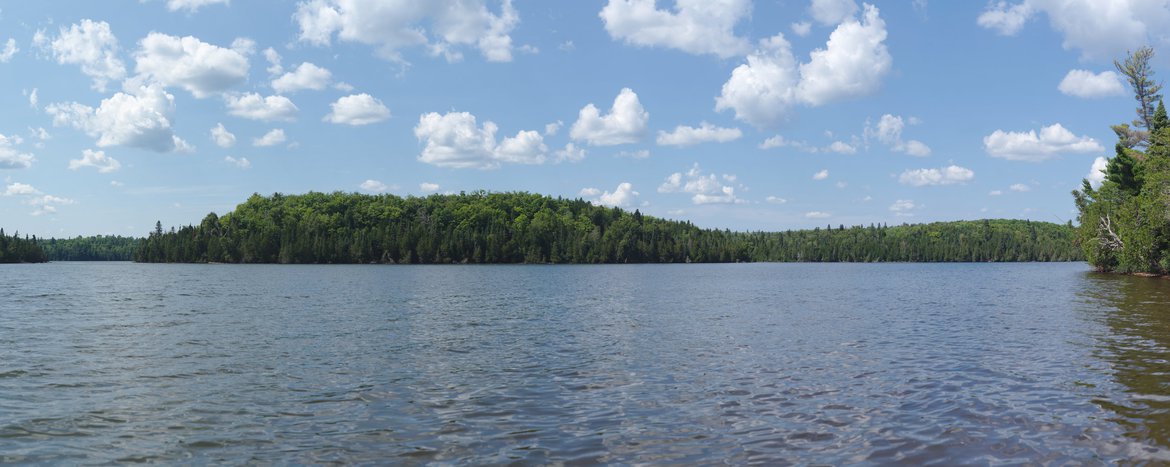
683	364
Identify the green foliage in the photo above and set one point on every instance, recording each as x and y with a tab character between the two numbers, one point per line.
15	249
1125	224
484	227
96	248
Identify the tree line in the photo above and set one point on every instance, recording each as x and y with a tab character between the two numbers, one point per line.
93	248
1125	222
485	227
15	249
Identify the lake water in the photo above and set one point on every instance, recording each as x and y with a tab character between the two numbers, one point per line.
684	364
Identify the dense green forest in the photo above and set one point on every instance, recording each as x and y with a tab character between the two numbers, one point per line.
1125	223
483	227
15	249
96	248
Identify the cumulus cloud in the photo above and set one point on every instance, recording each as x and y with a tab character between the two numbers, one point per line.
33	99
822	175
802	28
89	44
222	137
192	5
706	132
1089	85
950	175
242	163
693	26
200	68
852	63
374	186
622	196
440	26
44	204
553	128
831	12
305	76
888	131
272	138
256	107
817	215
139	118
1100	30
1020	188
841	147
639	154
625	123
456	140
357	109
9	51
1032	147
427	187
1096	174
704	188
18	189
12	158
570	153
903	207
775	200
96	159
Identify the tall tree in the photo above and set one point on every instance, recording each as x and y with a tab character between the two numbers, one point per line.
1138	73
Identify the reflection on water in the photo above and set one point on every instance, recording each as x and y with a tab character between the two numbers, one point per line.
1137	349
771	364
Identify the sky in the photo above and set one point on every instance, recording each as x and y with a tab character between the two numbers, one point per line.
747	115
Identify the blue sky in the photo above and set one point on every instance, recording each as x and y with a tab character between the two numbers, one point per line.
760	115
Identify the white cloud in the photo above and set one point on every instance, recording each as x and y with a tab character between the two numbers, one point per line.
888	131
622	196
1089	85
706	132
831	12
20	189
1032	147
91	45
242	162
374	186
141	119
202	69
692	26
96	159
625	123
1020	188
39	133
9	51
1096	174
704	188
822	175
817	215
357	109
589	192
802	28
903	206
1006	19
306	76
1100	30
933	177
427	187
995	193
639	154
222	137
272	138
841	147
10	157
853	63
273	58
256	107
33	100
192	5
779	141
570	153
455	140
553	128
394	26
775	200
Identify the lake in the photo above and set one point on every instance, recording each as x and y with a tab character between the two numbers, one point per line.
682	364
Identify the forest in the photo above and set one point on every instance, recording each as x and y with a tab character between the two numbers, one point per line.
1125	222
95	248
486	227
15	249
